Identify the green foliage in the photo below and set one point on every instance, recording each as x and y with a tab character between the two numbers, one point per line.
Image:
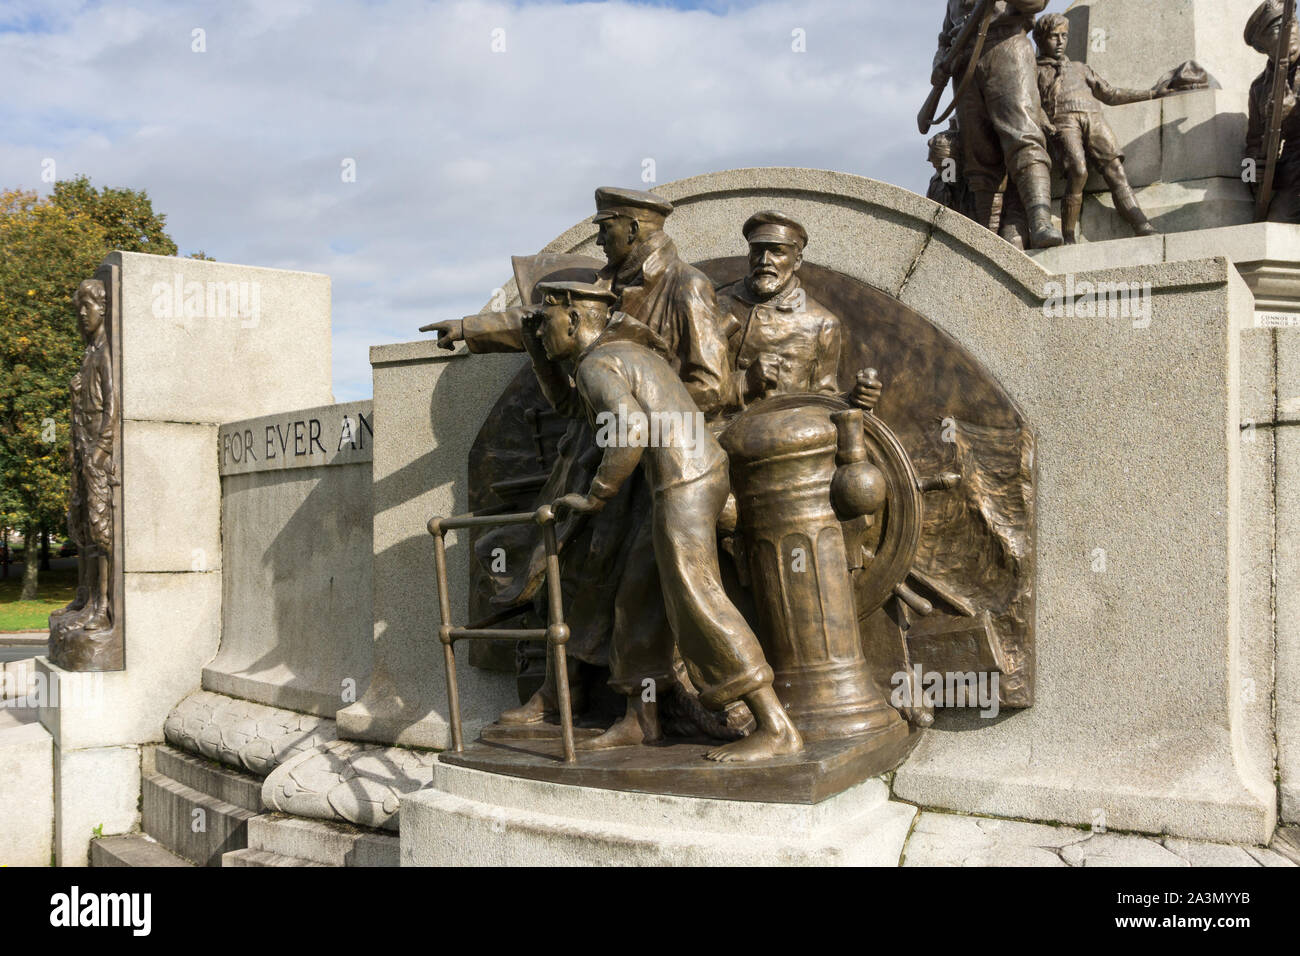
45	252
125	215
47	247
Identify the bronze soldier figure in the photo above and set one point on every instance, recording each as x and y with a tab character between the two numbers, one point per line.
621	372
998	113
1072	94
1263	33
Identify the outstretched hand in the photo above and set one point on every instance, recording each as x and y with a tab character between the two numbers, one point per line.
449	332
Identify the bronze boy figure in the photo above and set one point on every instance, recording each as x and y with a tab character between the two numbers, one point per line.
90	508
620	371
1072	94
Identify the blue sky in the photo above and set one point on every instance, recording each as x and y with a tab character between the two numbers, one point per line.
465	155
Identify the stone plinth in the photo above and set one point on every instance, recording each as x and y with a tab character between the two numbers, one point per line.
296	556
1266	256
26	789
470	818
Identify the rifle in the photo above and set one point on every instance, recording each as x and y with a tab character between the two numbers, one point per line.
1281	83
978	21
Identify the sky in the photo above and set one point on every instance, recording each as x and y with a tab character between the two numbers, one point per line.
477	129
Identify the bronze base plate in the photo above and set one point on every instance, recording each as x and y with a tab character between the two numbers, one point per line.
679	768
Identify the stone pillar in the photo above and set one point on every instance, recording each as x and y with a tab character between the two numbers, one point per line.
201	343
1133	44
1286	433
429	404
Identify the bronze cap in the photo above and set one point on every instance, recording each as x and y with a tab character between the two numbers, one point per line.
633	203
576	290
773	226
1261	21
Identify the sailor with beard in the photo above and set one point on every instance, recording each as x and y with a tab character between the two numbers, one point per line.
779	338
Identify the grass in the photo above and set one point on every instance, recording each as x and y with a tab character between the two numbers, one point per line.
55	589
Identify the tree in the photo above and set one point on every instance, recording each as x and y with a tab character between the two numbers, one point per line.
47	246
44	252
126	215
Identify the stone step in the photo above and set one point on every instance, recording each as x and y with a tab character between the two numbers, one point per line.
206	776
329	844
250	857
132	849
191	823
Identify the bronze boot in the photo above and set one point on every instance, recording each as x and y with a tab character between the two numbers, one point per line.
545	702
1128	207
1035	185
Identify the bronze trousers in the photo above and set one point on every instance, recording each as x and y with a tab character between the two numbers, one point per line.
713	636
998	116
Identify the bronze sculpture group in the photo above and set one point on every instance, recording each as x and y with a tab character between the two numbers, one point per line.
723	569
1018	116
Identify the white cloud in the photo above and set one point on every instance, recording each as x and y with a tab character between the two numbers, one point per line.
464	156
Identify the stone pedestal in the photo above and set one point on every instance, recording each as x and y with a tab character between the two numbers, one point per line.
470	818
296	556
26	789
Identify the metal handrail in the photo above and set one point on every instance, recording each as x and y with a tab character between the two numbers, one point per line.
556	632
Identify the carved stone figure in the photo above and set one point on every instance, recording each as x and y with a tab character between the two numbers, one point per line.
83	635
1263	33
607	564
1072	95
984	47
621	375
